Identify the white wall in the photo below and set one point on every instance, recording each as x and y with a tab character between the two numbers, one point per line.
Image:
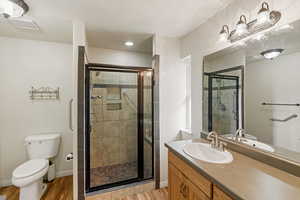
172	96
25	63
204	41
117	57
273	81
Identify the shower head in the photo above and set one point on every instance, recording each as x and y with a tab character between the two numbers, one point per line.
96	97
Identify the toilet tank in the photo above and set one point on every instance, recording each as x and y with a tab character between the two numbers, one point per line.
42	146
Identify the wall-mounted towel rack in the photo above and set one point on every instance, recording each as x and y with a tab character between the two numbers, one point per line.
44	93
280	104
284	120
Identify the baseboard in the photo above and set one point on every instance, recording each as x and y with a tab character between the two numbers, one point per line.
7	182
163	184
64	173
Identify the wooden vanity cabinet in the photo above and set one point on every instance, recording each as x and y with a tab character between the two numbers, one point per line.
179	185
219	194
187	184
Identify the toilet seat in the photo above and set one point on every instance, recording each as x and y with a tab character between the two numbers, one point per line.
30	168
30	171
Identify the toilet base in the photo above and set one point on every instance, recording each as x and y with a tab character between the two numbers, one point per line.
33	191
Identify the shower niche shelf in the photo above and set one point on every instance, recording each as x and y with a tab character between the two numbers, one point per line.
44	93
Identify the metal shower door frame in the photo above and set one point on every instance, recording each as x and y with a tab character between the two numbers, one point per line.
140	118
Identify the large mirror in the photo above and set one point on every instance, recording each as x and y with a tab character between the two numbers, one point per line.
253	87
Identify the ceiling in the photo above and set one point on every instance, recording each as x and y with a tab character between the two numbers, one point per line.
110	22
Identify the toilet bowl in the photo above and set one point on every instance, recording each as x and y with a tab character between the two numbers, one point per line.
29	175
29	178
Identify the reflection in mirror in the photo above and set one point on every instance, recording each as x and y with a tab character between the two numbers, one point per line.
254	87
223	94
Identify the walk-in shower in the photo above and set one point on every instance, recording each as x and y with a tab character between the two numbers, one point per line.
119	140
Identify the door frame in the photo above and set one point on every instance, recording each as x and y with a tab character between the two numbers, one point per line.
140	123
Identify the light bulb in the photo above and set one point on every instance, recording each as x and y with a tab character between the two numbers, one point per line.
12	9
224	34
242	27
263	17
129	43
263	13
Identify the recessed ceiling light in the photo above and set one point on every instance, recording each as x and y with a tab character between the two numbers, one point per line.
272	53
13	8
129	43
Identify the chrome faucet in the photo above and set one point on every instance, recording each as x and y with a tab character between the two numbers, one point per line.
240	133
215	143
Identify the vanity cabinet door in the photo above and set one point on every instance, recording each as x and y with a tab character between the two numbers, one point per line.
219	194
178	189
195	193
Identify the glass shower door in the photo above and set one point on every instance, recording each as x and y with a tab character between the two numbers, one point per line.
148	124
114	122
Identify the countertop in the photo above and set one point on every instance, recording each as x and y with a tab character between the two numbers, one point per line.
243	178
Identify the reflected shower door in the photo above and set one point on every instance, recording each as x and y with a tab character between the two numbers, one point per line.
223	104
114	99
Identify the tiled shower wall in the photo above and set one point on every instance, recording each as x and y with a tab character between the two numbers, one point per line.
113	118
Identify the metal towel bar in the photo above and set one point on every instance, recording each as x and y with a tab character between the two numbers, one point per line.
284	120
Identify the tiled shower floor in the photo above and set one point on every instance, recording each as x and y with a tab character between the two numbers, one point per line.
112	174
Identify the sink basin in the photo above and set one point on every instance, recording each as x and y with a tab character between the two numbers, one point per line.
255	143
259	145
204	152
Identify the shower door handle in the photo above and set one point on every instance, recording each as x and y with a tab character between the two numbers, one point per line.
71	115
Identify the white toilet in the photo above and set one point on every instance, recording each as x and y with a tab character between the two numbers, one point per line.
29	175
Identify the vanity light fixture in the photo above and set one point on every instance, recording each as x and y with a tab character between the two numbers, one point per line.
13	8
265	20
224	34
263	13
242	27
129	43
271	53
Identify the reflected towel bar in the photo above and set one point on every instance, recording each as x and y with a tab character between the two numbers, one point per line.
284	120
279	104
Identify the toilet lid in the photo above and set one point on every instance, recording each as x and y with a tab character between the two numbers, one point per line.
30	168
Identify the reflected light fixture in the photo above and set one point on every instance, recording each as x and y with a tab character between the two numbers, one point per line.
129	43
13	8
271	53
224	34
263	13
242	27
260	37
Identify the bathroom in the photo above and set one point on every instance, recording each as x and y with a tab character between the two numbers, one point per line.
98	103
